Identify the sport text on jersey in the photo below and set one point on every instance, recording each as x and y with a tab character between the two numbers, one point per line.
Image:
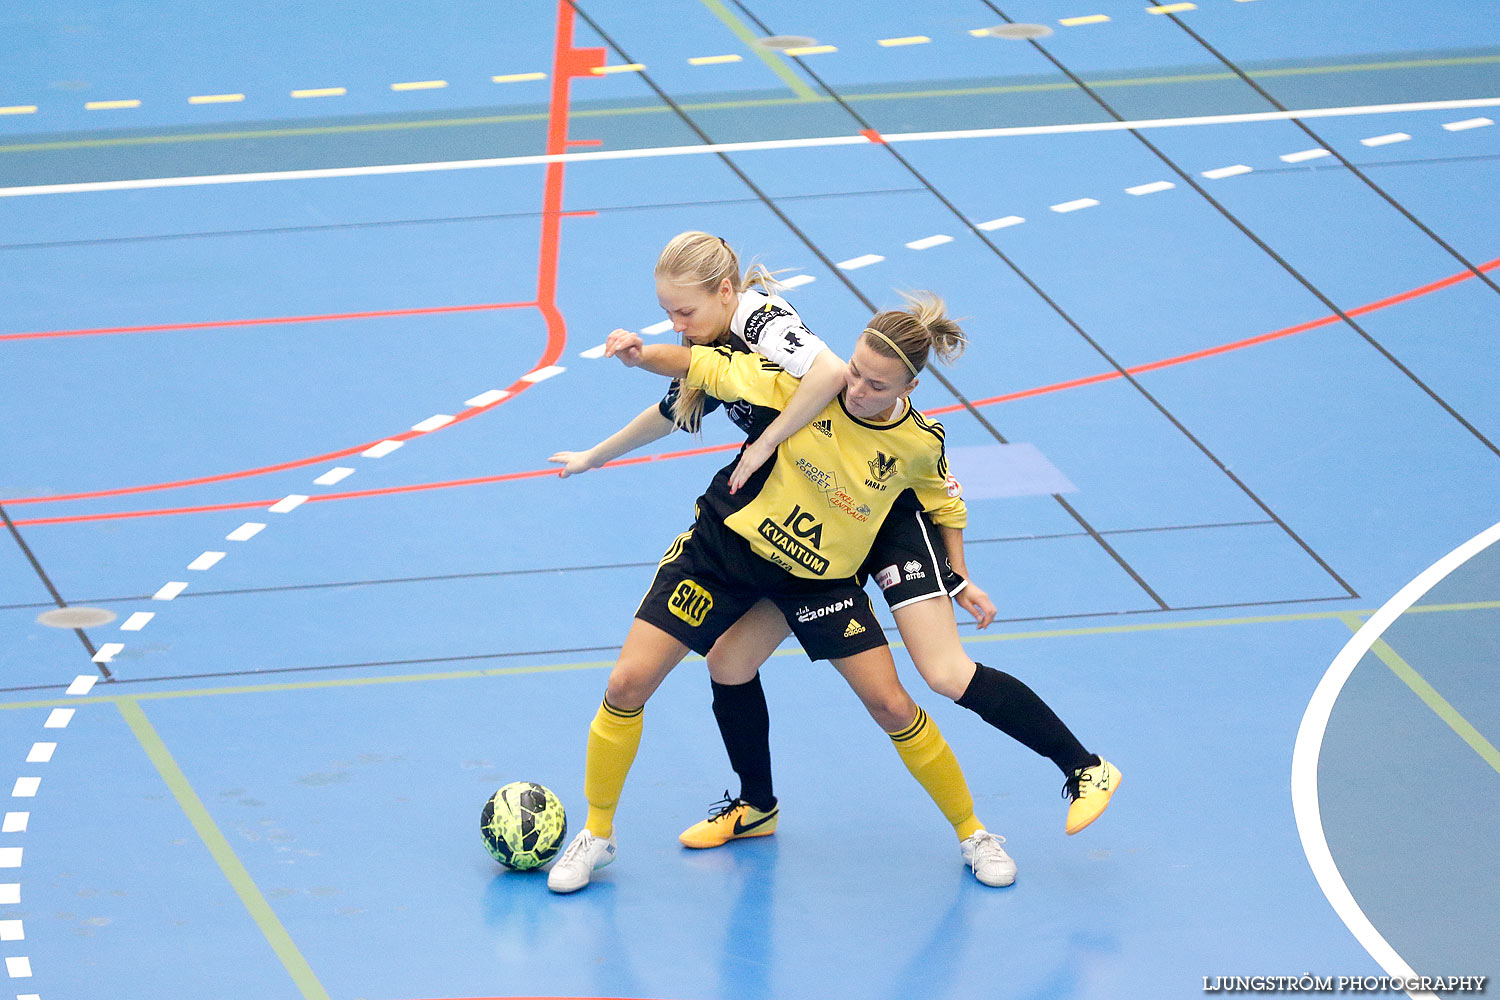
838	497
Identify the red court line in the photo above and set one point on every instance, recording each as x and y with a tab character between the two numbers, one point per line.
265	321
1181	359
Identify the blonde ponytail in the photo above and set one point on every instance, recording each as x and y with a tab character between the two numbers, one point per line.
923	328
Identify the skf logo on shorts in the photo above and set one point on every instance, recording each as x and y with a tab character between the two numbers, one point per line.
954	489
888	577
914	570
691	603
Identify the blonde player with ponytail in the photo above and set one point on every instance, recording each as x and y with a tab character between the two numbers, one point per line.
912	559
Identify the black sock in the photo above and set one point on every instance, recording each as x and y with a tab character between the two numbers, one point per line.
1015	710
745	726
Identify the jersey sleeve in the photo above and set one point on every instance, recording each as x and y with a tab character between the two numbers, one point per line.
729	375
710	404
773	330
939	493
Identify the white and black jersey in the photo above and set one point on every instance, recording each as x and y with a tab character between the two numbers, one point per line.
766	325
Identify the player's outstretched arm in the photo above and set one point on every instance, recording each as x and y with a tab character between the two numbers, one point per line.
972	599
823	381
649	425
670	360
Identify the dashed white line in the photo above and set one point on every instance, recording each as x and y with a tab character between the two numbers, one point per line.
11	930
107	652
927	242
543	374
10	857
864	260
796	281
1073	22
487	397
15	822
1385	140
59	718
245	532
1004	222
337	475
518	77
137	621
382	449
41	753
713	60
665	326
1467	124
1151	188
169	591
26	788
10	892
19	968
432	423
206	561
889	43
1171	8
1306	154
1218	173
82	684
288	503
593	353
1075	205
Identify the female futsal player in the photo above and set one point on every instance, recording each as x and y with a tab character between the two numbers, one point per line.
698	284
795	534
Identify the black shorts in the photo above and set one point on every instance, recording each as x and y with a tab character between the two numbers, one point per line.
909	560
710	577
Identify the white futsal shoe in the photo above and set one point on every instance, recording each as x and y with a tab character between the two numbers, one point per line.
983	853
585	855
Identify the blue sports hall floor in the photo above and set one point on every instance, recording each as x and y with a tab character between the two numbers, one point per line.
297	301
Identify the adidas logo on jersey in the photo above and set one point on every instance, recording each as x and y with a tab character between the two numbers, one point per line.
855	628
823	427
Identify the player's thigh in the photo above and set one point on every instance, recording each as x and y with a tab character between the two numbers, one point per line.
648	655
872	675
931	635
738	654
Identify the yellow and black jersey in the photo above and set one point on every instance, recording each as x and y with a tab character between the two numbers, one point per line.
814	509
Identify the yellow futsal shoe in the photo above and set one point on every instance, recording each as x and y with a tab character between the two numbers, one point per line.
733	819
1090	789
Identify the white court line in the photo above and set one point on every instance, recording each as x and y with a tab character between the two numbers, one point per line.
58	718
245	532
18	968
82	684
432	423
137	621
10	892
1385	140
338	473
543	374
593	353
169	591
1306	154
1218	173
863	260
928	242
10	857
1151	188
487	397
15	822
41	753
12	930
796	281
1310	742
381	450
286	505
206	561
1001	223
665	326
739	147
1075	204
107	652
26	788
1467	124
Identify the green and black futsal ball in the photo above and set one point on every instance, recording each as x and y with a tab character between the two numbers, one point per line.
523	825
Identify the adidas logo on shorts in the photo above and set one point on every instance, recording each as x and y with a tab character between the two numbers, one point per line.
855	628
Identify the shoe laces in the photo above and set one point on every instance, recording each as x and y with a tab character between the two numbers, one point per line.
724	806
987	845
579	845
1071	789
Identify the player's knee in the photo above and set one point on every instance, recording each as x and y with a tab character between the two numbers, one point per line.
894	711
627	689
725	668
950	677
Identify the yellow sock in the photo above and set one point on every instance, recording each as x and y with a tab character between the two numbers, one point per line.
614	737
930	760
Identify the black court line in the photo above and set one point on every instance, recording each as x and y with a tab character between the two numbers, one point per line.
1250	234
857	293
57	598
613	649
434	221
1063	314
1308	131
553	570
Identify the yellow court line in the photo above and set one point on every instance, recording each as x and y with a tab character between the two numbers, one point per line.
809	50
216	99
110	105
518	77
908	40
622	68
1171	8
1440	706
19	109
321	92
1073	22
420	85
714	60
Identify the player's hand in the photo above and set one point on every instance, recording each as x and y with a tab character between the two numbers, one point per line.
752	458
977	603
572	462
625	345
